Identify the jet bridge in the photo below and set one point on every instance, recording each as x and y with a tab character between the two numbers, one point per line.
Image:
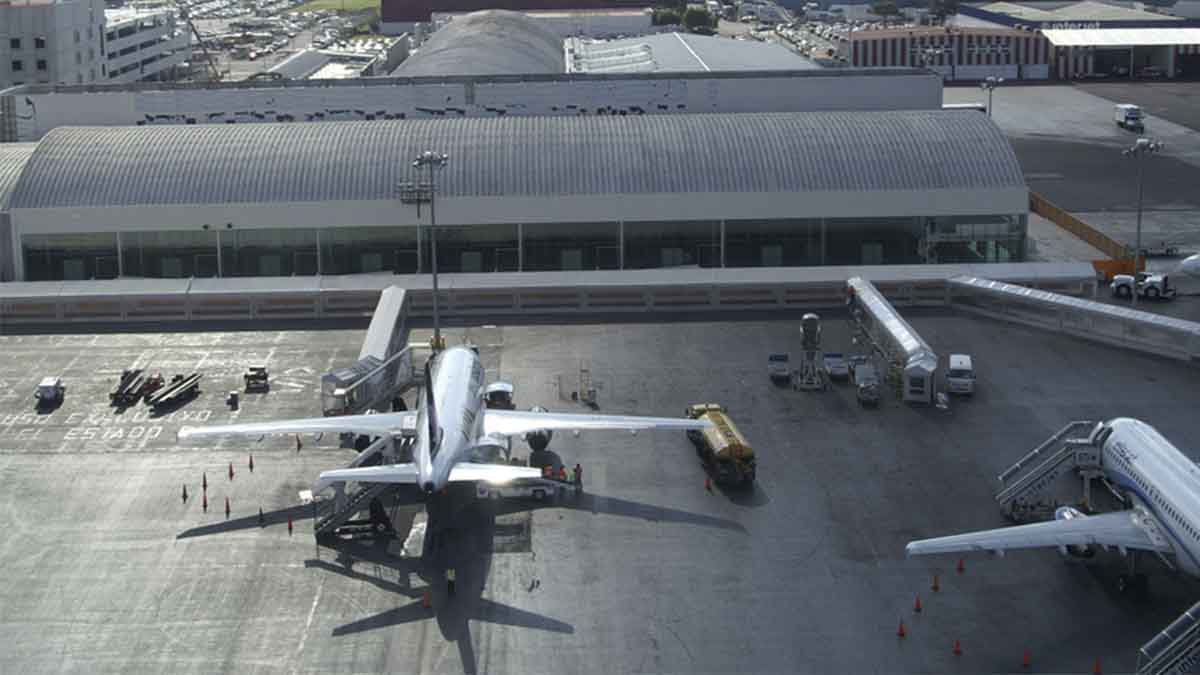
385	367
1098	321
910	359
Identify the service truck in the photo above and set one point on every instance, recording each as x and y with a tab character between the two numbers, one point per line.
1149	286
1128	116
722	447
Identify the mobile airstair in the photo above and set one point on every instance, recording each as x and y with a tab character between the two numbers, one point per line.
1174	650
1030	488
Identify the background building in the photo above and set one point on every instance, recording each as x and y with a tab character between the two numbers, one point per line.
521	193
402	16
48	41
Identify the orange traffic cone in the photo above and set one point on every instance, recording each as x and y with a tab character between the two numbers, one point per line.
227	507
935	587
205	502
185	493
917	605
251	463
231	471
957	648
900	632
1027	660
289	526
961	566
1096	670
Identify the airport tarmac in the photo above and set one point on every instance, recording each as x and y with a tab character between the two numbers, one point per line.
649	572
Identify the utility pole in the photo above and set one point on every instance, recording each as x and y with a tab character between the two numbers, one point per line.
433	160
1143	146
989	85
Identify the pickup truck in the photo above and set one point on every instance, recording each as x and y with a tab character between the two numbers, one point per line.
779	368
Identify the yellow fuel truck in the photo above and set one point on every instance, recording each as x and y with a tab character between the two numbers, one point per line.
722	447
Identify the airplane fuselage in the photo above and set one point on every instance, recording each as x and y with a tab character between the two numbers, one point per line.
1160	479
457	386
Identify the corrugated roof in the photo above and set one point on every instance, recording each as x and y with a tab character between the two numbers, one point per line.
494	42
13	157
520	156
1122	37
301	64
678	52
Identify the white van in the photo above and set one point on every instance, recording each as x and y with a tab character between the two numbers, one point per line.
960	377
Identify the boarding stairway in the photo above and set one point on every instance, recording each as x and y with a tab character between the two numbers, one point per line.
343	508
1174	650
1026	493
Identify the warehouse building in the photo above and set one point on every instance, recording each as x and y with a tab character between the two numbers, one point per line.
519	194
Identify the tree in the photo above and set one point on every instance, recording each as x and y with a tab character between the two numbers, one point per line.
665	17
884	8
695	17
943	8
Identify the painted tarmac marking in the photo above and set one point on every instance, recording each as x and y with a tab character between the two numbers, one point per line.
312	612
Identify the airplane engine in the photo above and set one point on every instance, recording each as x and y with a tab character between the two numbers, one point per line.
1191	265
1071	513
539	440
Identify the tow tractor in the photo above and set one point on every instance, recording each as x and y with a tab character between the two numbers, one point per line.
256	379
1149	286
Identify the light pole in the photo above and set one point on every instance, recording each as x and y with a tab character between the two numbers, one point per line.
1143	146
433	160
988	85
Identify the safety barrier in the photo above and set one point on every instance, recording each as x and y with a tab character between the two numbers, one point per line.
497	296
1100	241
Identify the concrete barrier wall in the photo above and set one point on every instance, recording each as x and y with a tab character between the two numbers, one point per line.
482	296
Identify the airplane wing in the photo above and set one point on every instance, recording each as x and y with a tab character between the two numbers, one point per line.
370	425
491	473
516	422
1124	529
389	473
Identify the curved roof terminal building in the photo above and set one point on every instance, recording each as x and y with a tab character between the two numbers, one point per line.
518	193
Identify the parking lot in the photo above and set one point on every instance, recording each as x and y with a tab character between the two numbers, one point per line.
806	573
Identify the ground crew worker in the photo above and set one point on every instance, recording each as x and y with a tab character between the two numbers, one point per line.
562	473
450	580
579	476
571	476
546	471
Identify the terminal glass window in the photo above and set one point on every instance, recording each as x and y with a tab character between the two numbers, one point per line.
269	252
474	248
571	246
358	250
169	255
978	239
772	243
685	243
53	257
872	241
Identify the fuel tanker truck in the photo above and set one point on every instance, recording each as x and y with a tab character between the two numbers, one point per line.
722	447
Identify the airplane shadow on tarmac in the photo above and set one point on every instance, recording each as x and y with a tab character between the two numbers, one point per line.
460	534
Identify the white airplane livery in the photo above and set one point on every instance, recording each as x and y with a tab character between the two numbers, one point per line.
1160	484
451	427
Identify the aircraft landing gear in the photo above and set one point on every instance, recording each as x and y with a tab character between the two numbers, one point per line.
1132	581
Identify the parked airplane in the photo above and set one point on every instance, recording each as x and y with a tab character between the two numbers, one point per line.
1191	265
1160	485
452	429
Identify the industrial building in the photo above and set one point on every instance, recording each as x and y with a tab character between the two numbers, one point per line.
403	16
1094	39
592	23
361	58
519	194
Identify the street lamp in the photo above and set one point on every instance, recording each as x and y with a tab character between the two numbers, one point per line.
433	160
988	85
1143	146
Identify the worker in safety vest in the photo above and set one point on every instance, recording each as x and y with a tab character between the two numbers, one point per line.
579	476
546	471
450	580
562	473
